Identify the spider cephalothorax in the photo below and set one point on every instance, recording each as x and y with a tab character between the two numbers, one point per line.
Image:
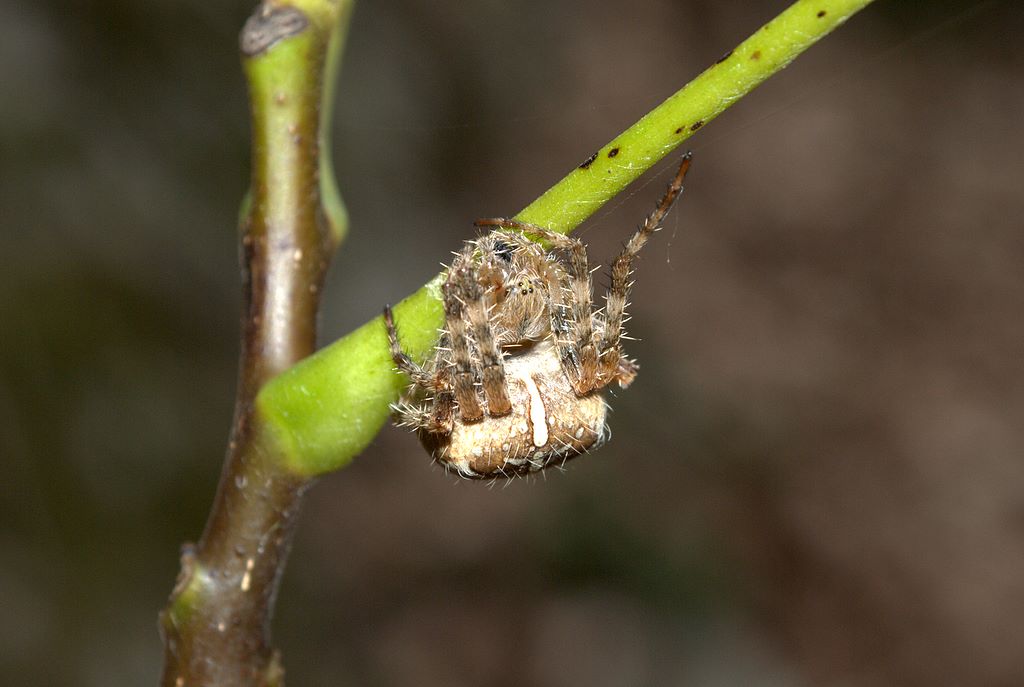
514	384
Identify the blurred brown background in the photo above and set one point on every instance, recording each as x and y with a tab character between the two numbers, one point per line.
818	478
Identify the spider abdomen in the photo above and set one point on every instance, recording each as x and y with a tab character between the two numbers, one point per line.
548	423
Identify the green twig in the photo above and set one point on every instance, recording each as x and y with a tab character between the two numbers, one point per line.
216	626
326	409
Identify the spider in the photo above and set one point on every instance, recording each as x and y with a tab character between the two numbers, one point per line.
515	382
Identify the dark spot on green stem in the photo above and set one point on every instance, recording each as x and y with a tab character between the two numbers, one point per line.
724	57
821	14
613	152
756	55
589	161
268	25
679	130
696	125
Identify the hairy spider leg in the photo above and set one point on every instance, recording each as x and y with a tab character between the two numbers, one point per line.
610	352
455	322
441	416
492	372
442	412
403	362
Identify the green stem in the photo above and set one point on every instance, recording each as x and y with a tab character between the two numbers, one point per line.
330	197
327	408
216	626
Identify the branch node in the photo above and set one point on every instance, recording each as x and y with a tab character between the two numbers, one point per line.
268	25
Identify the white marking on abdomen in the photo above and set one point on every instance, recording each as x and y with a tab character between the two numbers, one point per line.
538	416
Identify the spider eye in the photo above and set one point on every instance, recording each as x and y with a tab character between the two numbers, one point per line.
504	250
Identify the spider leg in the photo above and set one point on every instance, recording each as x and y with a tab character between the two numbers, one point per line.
411	415
579	353
455	320
492	370
627	371
419	376
618	293
440	417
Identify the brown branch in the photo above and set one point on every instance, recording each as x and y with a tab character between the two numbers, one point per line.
216	626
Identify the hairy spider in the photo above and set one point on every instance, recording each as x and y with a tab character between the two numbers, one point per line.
514	384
